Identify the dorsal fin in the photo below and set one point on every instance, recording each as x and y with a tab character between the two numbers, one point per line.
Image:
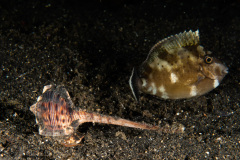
174	42
178	40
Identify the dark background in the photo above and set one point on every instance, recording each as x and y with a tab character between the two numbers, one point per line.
91	48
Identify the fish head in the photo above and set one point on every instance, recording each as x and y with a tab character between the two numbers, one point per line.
213	68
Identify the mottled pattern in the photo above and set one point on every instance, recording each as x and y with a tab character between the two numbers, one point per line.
177	67
54	114
57	116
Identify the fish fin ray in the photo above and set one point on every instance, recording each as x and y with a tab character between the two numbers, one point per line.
134	84
177	41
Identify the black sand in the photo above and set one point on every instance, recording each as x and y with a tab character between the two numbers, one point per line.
91	48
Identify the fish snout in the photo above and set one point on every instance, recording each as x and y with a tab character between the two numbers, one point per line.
225	71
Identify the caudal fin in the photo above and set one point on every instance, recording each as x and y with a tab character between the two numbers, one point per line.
134	82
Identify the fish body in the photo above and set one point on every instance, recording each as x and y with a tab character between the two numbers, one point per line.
177	67
56	114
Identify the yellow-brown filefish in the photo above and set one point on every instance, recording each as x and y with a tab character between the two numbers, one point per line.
177	67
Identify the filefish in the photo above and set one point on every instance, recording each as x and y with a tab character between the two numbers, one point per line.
177	67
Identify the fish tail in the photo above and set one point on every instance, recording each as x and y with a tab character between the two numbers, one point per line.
135	83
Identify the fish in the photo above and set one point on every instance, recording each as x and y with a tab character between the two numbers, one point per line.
177	67
56	114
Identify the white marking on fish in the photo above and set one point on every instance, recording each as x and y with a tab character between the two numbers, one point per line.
193	91
173	78
154	90
215	83
149	89
165	96
144	82
161	64
163	91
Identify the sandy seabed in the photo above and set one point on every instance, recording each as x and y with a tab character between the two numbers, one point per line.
91	48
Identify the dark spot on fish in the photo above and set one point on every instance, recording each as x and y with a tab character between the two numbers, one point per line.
58	126
57	118
63	120
147	69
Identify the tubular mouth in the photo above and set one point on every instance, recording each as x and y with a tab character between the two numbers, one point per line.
225	69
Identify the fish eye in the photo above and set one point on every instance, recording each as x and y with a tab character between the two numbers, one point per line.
208	59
